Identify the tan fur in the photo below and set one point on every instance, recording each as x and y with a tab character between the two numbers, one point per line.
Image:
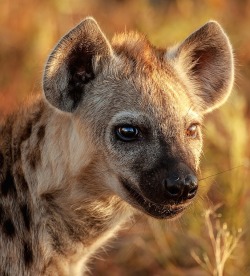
68	179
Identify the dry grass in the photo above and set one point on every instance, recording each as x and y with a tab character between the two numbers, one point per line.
223	242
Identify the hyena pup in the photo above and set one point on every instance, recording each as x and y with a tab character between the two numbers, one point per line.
117	129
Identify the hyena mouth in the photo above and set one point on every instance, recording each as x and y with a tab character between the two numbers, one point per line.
159	211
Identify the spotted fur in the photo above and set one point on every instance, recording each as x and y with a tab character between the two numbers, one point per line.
67	181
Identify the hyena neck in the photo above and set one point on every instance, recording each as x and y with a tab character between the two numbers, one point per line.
51	173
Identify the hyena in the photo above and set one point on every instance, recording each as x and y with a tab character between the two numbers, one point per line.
117	129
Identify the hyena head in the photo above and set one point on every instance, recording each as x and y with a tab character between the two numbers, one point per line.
142	107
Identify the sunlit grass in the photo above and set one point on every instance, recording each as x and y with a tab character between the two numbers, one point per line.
223	242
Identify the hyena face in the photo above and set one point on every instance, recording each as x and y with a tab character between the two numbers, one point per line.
141	108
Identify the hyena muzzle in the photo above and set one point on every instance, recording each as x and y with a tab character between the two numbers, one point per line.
117	129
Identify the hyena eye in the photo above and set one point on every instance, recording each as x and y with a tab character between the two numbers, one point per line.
127	133
192	131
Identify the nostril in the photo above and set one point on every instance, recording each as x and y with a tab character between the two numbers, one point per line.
191	186
172	189
192	193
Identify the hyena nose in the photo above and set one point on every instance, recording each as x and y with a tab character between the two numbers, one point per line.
181	188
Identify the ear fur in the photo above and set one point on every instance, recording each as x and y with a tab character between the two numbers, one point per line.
205	59
71	64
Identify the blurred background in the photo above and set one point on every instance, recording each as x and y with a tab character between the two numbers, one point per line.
199	243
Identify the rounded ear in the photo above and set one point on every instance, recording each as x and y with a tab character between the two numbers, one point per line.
72	64
205	59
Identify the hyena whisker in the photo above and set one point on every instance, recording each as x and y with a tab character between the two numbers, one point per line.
221	172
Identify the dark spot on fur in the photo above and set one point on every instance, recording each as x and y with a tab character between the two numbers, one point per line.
49	197
56	240
41	133
38	114
1	160
6	128
1	214
8	185
24	136
21	180
34	157
8	228
73	232
16	151
95	223
27	254
26	215
26	132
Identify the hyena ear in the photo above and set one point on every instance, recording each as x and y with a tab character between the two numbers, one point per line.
206	60
75	61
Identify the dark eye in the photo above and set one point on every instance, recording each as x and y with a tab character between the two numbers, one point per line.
127	133
192	131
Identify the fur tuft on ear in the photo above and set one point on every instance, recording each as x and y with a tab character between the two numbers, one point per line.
71	64
205	59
